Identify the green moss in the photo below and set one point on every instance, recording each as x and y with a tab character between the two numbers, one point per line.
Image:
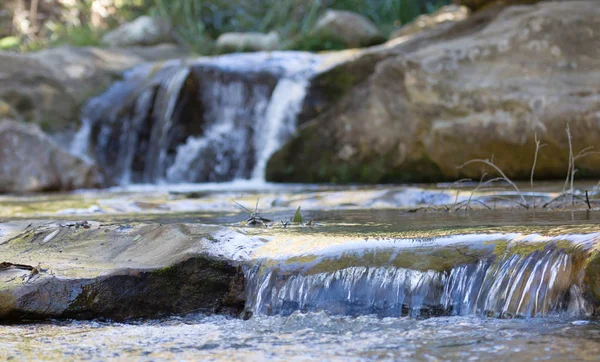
436	259
315	43
310	158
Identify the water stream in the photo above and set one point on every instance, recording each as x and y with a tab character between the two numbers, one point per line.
208	120
539	283
373	281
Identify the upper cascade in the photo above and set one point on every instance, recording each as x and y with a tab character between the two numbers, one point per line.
207	120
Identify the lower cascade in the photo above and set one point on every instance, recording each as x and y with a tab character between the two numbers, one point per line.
542	283
210	120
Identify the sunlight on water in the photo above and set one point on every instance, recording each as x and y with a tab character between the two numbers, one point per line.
306	337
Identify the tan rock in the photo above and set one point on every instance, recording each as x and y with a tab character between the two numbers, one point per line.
466	94
144	30
353	29
49	87
445	14
236	42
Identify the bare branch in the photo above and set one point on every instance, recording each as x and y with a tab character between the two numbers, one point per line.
509	181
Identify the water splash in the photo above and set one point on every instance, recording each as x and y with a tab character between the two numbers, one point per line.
538	284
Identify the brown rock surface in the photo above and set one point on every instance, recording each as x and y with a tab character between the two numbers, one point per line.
481	88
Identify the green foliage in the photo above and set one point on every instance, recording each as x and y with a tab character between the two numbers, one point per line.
199	22
314	43
83	35
297	216
10	42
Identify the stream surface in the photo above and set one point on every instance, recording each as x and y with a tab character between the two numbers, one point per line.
307	337
357	212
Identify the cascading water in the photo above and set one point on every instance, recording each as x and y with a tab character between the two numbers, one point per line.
539	283
210	120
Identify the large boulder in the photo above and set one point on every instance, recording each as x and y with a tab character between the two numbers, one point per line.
49	87
145	30
30	161
486	93
237	42
354	30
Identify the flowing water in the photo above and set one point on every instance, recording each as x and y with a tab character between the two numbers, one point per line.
372	281
207	120
382	274
307	337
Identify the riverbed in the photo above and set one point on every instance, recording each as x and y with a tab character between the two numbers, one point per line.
349	225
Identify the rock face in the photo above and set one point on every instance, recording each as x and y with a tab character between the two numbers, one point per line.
49	87
483	88
144	30
446	14
30	161
237	42
352	29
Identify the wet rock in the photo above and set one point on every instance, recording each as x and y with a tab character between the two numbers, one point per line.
445	14
30	161
480	88
49	87
249	42
117	272
352	29
142	31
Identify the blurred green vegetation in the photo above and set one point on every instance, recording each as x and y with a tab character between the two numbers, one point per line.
198	23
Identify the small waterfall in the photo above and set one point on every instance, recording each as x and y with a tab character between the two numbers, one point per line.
280	122
211	120
538	284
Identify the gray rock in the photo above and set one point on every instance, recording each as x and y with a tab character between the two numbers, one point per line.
236	42
50	86
353	29
30	161
144	30
90	270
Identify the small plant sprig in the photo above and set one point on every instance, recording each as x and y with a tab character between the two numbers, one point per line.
255	219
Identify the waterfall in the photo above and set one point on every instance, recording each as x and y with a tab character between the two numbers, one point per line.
280	122
534	285
210	120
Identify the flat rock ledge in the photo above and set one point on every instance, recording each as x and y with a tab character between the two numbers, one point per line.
91	270
120	270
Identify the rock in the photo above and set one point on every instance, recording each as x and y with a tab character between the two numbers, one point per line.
117	271
480	4
482	88
237	42
59	269
30	161
144	30
49	87
352	29
445	14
